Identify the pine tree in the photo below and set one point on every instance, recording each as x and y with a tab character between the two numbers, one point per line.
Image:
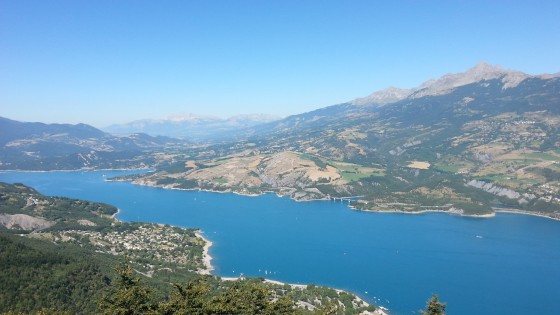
191	298
129	297
434	307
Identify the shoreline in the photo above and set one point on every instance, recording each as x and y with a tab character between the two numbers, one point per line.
517	211
278	194
487	215
76	170
482	216
208	268
206	258
114	215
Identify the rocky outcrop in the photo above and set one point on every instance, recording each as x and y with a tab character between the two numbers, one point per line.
493	189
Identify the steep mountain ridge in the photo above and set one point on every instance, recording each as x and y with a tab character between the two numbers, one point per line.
12	130
445	84
490	81
392	126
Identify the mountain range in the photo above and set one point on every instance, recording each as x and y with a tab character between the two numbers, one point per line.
467	142
447	83
493	82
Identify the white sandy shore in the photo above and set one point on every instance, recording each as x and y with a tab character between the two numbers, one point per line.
206	258
114	215
516	211
77	170
488	215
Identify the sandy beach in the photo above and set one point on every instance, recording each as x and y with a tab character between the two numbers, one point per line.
114	215
77	170
516	211
206	258
487	215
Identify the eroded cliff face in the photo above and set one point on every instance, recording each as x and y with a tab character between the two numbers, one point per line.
501	191
24	222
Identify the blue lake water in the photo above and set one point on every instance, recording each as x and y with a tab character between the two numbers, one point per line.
509	264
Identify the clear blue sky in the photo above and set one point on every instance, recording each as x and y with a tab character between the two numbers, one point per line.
103	62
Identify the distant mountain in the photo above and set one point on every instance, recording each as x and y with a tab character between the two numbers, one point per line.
11	130
482	83
39	146
192	127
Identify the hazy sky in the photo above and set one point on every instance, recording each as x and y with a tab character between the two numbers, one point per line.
102	62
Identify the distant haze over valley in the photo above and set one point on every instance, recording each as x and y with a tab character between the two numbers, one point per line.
192	126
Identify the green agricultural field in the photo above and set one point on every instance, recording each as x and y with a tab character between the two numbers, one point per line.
220	180
354	172
542	156
357	176
448	168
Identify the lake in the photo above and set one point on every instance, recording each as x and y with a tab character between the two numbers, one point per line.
509	264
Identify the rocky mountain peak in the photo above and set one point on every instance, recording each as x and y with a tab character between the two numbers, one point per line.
483	68
480	72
